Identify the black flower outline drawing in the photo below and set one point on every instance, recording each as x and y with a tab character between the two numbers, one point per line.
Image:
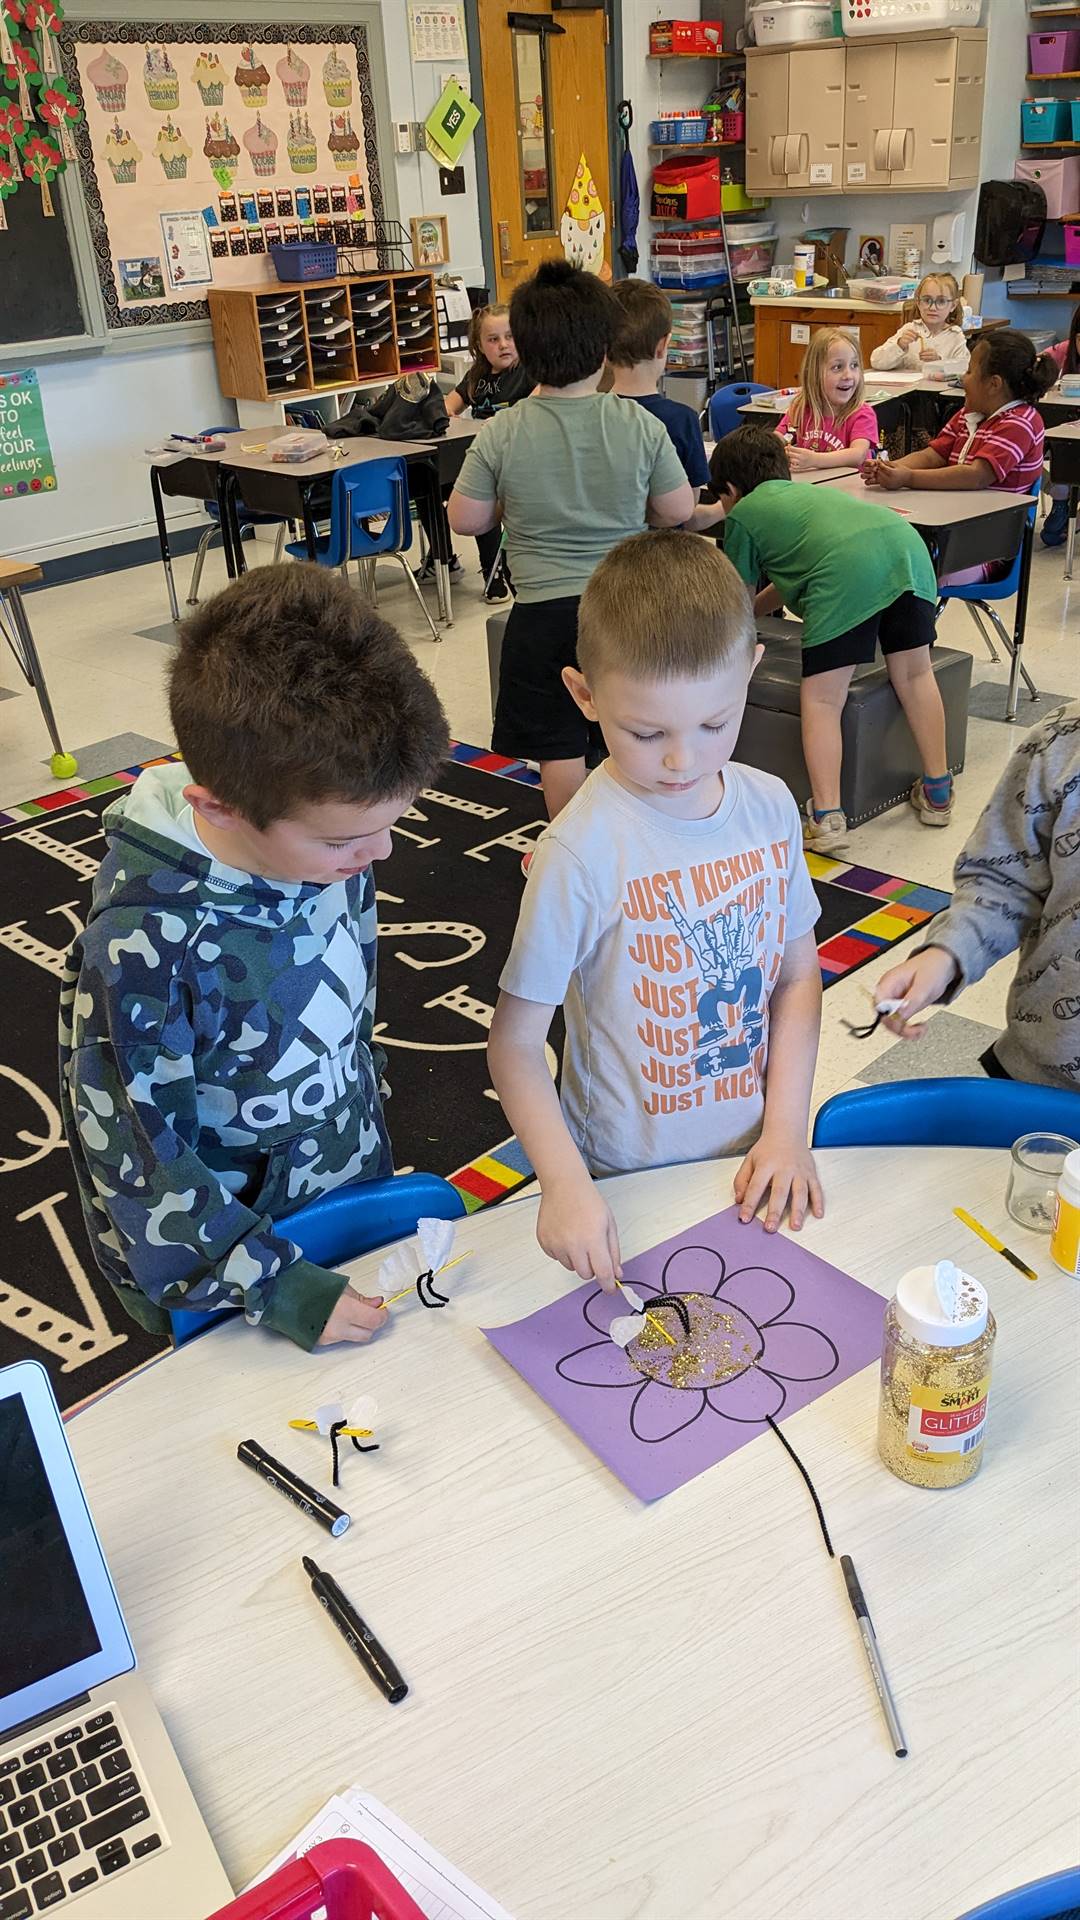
754	1393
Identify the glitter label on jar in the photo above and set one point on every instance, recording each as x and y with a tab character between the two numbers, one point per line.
941	1424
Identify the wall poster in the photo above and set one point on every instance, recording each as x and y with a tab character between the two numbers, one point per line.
201	147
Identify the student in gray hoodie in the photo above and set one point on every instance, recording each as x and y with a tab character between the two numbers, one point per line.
1017	889
217	1065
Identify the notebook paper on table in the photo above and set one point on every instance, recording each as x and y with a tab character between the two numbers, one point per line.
439	1889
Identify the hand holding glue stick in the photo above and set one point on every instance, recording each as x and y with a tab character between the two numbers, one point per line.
916	983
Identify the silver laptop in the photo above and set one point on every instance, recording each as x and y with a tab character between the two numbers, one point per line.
96	1816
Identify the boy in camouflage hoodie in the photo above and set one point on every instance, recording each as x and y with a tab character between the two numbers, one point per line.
216	1061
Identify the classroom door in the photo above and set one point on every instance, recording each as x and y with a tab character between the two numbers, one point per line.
545	105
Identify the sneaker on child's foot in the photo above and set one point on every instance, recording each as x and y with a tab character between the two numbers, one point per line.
427	571
822	836
1055	528
930	815
498	589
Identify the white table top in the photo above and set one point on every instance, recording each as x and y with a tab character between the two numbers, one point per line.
620	1712
1069	430
355	448
938	509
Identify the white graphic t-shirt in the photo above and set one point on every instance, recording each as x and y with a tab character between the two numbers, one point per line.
662	940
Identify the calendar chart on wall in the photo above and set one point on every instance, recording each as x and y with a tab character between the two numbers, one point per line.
203	146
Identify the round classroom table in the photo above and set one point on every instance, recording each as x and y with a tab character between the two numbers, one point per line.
619	1711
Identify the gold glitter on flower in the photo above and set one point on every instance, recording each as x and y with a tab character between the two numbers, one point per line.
741	1349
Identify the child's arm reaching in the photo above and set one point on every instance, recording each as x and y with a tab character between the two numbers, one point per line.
780	1163
575	1224
804	459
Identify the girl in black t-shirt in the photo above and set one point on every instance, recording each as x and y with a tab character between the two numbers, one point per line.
495	380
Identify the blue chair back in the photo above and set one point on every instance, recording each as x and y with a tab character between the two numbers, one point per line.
1057	1895
1002	589
945	1113
724	415
352	1220
361	492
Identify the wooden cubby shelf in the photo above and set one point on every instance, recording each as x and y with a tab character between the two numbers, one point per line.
274	342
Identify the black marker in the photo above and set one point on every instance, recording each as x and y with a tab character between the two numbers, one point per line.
307	1498
373	1658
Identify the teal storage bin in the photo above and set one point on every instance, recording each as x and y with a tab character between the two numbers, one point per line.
1075	104
1043	121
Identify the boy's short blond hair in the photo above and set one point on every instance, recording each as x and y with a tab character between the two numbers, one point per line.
663	606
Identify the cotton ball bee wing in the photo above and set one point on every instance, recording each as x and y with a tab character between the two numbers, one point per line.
436	1241
329	1416
400	1268
363	1411
626	1327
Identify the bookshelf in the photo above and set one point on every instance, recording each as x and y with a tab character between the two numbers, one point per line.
296	340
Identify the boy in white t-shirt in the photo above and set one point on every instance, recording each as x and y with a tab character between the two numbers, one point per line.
670	913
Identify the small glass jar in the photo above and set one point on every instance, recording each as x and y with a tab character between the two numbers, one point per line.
935	1377
1037	1160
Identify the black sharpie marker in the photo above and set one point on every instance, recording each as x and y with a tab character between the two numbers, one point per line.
307	1498
374	1659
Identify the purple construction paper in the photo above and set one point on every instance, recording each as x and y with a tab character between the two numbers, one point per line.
775	1325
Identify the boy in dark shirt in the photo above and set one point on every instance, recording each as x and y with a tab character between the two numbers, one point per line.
637	359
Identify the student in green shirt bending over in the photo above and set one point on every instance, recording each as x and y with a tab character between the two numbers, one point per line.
858	577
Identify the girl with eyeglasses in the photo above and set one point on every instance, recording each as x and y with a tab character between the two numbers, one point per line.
932	342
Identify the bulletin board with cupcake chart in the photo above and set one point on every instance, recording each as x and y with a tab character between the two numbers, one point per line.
201	145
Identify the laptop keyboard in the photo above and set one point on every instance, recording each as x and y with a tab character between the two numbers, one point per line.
74	1810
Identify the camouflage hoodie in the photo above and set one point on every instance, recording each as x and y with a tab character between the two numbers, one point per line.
216	1069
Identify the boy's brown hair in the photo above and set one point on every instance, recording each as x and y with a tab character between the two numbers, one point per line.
287	688
663	606
646	320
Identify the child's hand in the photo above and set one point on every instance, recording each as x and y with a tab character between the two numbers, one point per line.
356	1317
889	475
801	459
906	335
576	1226
928	351
782	1165
918	982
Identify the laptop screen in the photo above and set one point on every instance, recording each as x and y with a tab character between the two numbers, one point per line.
61	1629
45	1622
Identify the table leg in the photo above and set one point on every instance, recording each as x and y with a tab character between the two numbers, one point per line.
438	536
1020	621
21	641
163	540
230	533
1070	544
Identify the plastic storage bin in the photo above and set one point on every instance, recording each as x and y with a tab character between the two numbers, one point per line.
1054	52
1071	231
785	23
1044	121
1059	180
304	261
732	124
907	16
1075	131
677	129
889	291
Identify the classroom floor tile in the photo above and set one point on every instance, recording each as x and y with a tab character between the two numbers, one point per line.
107	678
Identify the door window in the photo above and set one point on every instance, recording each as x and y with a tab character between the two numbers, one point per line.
534	130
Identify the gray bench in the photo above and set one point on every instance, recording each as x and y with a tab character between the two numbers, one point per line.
880	761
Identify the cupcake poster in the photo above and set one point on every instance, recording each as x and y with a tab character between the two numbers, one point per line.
181	120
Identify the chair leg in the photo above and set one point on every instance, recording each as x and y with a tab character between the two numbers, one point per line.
415	585
1007	642
279	543
196	571
990	647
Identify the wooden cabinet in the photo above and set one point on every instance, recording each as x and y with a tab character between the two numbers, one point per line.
794	118
782	332
863	114
298	339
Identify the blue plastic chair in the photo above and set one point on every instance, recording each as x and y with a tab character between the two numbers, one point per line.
1058	1894
978	598
245	517
724	415
368	490
352	1220
945	1113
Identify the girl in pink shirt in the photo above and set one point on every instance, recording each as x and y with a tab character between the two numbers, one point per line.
829	424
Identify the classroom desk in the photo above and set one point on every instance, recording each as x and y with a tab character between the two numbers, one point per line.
16	630
884	392
621	1712
964	530
283	489
1063	453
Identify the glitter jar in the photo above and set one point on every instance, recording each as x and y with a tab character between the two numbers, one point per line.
1065	1232
935	1377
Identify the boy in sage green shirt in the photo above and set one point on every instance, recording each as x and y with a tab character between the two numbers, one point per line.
858	578
569	472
